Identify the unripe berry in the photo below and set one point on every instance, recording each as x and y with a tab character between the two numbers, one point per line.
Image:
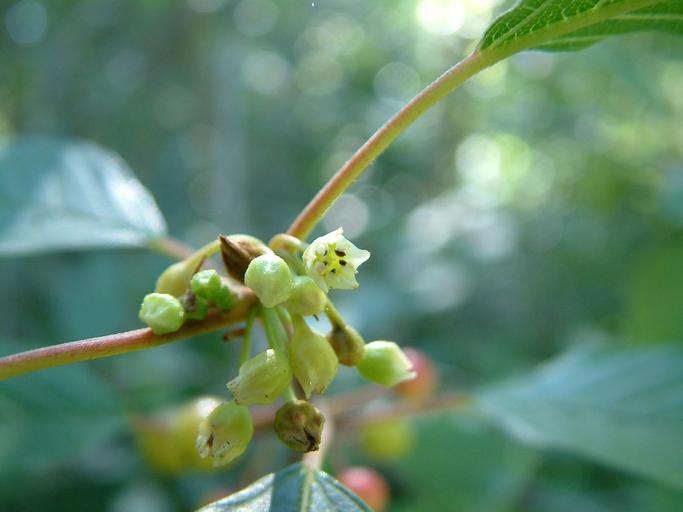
206	284
426	379
368	484
162	312
299	424
347	344
176	278
270	279
314	363
385	363
387	439
307	298
261	379
225	433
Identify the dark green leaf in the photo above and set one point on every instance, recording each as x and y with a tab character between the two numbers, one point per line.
590	20
623	408
68	194
296	488
54	416
462	464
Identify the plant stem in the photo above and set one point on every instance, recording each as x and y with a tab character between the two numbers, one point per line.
121	343
275	333
432	94
381	139
174	249
246	337
344	409
404	409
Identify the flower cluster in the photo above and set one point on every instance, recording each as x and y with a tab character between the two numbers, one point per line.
291	281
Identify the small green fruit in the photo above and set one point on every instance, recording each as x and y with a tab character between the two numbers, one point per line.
306	298
206	284
386	440
299	424
385	363
270	279
314	362
347	344
162	312
225	434
261	379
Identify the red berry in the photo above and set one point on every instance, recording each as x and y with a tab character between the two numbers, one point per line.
368	484
426	380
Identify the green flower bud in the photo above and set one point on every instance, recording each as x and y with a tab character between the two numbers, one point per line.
224	299
347	344
261	379
162	312
307	298
206	284
196	308
270	279
385	363
314	363
299	425
176	278
225	433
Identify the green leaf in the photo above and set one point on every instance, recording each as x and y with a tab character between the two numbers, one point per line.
657	272
295	488
623	408
462	464
54	416
71	194
563	25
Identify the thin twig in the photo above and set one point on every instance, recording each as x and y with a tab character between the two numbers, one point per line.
445	84
381	139
120	343
171	247
402	409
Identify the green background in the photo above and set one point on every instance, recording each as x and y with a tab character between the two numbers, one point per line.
536	209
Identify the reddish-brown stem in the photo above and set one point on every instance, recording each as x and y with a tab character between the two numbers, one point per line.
347	416
120	343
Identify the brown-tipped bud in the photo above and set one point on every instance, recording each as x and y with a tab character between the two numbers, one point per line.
299	425
237	252
347	344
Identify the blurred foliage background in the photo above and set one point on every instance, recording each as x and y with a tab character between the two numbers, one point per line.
536	208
